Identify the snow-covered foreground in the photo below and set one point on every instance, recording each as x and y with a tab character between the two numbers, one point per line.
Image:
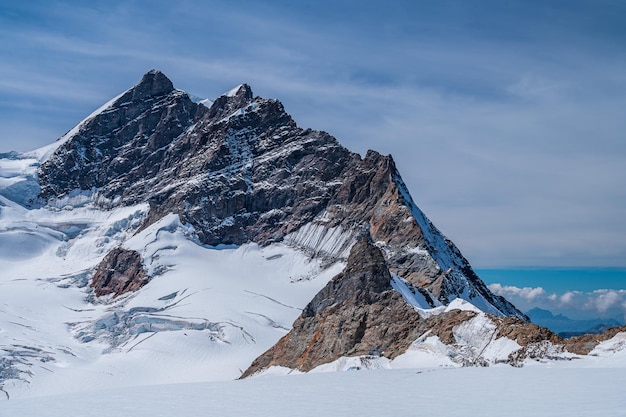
496	391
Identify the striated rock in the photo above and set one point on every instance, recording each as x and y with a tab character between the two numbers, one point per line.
121	271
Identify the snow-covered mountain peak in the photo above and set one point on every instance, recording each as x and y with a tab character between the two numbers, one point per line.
244	171
240	90
194	236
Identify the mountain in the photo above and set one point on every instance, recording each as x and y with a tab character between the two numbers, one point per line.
242	171
567	327
163	240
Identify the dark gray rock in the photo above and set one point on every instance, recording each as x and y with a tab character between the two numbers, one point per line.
123	145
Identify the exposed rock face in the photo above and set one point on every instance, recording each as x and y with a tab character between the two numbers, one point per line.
357	313
121	271
584	344
524	333
242	170
123	145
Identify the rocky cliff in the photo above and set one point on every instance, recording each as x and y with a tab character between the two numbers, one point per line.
357	313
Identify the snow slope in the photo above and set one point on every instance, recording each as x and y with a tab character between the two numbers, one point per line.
500	391
206	314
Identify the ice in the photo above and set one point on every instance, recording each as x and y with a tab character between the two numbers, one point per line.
321	241
200	100
412	296
205	315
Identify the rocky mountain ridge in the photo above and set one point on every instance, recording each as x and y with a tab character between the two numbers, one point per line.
360	313
243	171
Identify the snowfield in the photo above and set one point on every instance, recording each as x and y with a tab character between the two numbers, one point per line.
206	314
497	391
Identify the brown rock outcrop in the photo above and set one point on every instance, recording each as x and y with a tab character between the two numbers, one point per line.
582	345
524	333
119	272
357	313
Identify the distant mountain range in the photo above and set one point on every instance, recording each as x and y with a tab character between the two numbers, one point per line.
566	327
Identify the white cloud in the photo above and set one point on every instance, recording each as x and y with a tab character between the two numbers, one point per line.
568	298
576	304
527	293
604	300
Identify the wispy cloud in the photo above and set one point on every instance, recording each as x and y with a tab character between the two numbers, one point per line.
509	136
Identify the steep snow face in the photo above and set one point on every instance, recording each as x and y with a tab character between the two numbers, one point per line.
422	300
233	91
455	277
321	241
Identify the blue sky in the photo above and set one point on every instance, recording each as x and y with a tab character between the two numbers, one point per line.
505	118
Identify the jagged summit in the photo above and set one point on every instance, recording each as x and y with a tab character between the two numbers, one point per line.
153	84
237	98
104	151
243	90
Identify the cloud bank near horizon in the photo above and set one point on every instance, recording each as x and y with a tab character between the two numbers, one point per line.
601	303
